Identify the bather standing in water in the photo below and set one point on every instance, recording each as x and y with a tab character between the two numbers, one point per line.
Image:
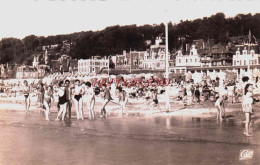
78	92
48	94
90	98
26	92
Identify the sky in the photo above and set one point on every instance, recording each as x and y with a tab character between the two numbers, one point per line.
20	18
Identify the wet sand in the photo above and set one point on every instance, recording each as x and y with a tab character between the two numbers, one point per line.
128	140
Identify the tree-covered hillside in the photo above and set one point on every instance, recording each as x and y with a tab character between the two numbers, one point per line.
113	40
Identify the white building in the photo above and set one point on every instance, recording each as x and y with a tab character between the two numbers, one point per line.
25	72
185	61
154	59
192	59
245	59
93	65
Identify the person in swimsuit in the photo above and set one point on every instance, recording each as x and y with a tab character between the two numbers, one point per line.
68	91
247	102
90	97
221	108
62	101
47	101
77	92
107	97
122	99
26	91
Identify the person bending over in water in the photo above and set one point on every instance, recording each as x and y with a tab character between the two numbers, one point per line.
26	92
221	107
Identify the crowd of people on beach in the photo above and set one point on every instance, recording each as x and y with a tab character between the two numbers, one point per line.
78	92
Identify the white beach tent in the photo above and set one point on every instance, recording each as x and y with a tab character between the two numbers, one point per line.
197	77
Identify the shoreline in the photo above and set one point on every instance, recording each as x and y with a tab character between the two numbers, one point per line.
205	110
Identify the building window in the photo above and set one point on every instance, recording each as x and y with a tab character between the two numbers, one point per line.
186	60
179	60
234	62
190	60
195	60
245	62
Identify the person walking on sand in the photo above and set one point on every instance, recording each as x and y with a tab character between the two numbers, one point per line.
122	100
47	101
106	98
90	98
78	101
26	92
62	101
